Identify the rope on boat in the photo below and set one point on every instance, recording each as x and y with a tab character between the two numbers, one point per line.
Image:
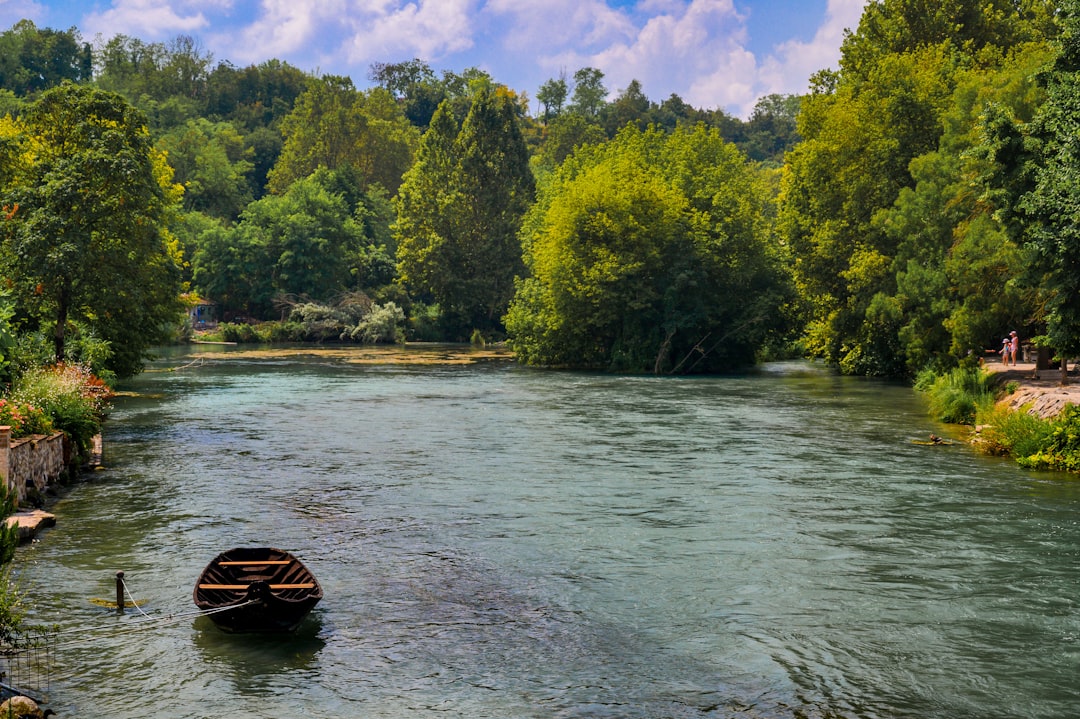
149	622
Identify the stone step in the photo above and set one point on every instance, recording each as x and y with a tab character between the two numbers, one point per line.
30	521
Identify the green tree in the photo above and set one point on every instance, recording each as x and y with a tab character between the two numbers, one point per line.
459	211
90	243
552	96
772	128
896	27
1050	211
563	135
234	268
870	257
313	241
333	125
650	253
589	92
33	59
211	162
414	84
256	97
960	277
631	106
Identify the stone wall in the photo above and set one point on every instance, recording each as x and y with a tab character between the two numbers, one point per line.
31	464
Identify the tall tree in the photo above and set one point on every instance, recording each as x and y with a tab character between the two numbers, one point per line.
1050	211
90	243
459	211
631	106
33	59
589	92
650	253
333	125
414	84
772	128
869	133
552	96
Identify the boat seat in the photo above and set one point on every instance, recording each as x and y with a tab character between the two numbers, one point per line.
256	563
301	585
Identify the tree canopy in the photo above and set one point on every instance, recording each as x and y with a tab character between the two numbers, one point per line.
88	244
878	203
650	253
1039	176
906	212
459	211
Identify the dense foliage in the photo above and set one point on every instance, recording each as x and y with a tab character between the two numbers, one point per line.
904	215
1035	175
86	240
900	254
459	212
650	253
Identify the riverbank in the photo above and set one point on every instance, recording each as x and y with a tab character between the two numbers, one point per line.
1042	391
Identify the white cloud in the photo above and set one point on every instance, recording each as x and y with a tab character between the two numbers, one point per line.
430	29
282	28
789	69
11	11
536	25
145	19
698	53
695	48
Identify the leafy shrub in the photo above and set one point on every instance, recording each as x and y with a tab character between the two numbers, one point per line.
1060	448
423	324
955	395
381	324
238	332
319	322
24	419
36	349
69	395
287	331
1007	432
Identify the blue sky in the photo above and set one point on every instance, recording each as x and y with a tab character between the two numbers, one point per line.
712	53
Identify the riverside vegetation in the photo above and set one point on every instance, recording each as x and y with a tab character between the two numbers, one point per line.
894	218
970	396
41	400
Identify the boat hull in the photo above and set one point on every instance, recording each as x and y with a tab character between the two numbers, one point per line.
256	589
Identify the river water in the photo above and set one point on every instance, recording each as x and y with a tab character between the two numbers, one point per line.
495	541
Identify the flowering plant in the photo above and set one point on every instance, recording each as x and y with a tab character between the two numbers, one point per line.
71	397
24	419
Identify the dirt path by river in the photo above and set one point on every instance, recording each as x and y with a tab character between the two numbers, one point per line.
1042	390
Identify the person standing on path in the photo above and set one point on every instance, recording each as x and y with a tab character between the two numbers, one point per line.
1005	351
1014	346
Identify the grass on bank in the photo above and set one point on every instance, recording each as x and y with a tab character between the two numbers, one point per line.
968	395
956	396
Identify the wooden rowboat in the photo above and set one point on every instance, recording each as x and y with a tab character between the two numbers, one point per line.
257	590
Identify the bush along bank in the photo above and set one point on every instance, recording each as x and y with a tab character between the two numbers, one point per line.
972	396
64	398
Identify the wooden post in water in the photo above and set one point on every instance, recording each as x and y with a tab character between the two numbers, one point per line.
120	592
